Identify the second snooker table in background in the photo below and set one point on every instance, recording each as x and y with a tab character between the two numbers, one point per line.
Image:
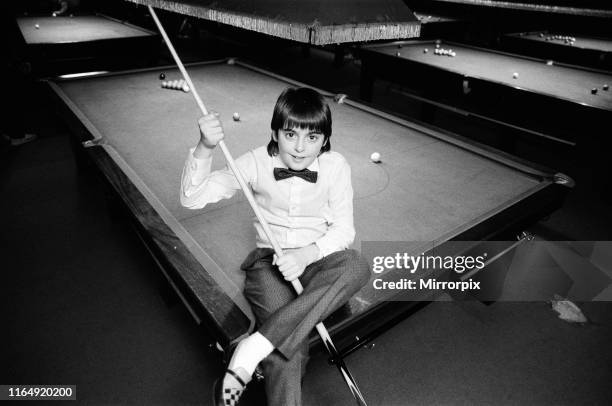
595	52
430	187
69	44
555	99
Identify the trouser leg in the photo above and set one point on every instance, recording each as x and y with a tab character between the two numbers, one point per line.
267	291
283	377
289	319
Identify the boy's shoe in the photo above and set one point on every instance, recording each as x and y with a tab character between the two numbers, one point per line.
229	388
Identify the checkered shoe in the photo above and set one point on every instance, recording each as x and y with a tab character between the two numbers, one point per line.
227	392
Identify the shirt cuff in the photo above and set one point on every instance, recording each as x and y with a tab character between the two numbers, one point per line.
199	168
324	248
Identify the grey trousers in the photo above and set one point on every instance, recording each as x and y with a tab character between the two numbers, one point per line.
287	319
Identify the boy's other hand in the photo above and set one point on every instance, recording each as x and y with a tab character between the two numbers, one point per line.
293	262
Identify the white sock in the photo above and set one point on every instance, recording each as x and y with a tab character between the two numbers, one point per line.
250	352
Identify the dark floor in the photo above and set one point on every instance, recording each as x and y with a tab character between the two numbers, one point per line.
83	303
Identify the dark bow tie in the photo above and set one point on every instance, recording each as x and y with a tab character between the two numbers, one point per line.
284	173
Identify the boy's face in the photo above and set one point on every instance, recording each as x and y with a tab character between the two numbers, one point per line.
298	148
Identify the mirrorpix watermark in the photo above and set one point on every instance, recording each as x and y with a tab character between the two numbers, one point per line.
525	269
423	266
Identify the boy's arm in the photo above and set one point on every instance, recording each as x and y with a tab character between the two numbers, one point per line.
341	232
200	186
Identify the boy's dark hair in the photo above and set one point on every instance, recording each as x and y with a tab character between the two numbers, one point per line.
302	108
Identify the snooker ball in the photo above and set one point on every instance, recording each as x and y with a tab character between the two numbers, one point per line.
605	87
594	90
425	50
549	63
236	117
185	88
36	26
162	76
515	75
375	157
398	54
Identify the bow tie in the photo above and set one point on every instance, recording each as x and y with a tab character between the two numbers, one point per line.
284	173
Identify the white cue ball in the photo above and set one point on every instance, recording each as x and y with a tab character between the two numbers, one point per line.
36	26
375	157
185	88
236	117
515	75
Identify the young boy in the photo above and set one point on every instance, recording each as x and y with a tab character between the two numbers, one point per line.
305	193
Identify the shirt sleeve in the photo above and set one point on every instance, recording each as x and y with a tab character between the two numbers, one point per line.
200	186
341	232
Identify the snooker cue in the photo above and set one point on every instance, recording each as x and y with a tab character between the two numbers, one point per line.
297	285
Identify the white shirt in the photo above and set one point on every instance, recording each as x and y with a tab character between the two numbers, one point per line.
299	212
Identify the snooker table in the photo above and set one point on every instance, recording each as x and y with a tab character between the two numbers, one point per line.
555	99
69	44
595	52
431	185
